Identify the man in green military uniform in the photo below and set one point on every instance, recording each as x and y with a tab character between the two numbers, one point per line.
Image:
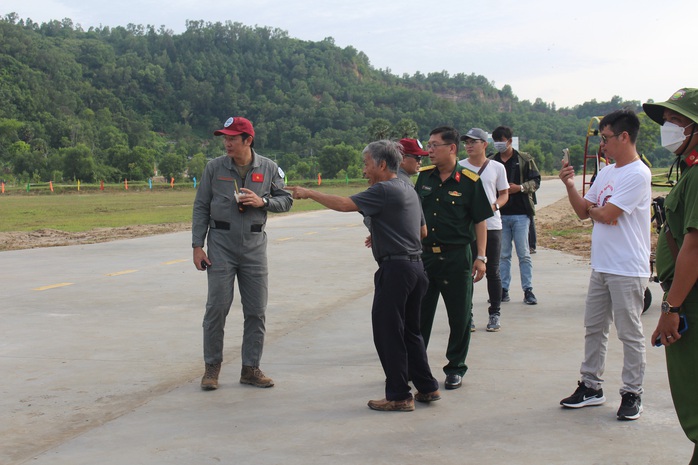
455	207
677	254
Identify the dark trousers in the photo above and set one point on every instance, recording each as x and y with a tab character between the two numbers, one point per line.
400	286
450	276
494	280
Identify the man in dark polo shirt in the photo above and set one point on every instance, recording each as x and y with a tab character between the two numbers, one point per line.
400	281
455	206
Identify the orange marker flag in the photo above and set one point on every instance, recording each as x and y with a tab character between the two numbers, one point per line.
3	187
172	183
50	185
319	179
101	185
126	184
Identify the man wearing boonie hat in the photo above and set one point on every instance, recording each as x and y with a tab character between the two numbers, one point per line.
412	153
677	254
231	204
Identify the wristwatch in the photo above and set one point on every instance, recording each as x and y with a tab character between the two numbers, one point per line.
667	308
496	206
266	202
482	258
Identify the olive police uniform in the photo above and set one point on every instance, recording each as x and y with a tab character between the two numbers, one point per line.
451	209
681	207
237	246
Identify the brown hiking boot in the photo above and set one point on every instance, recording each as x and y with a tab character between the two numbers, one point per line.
210	380
255	377
385	405
427	396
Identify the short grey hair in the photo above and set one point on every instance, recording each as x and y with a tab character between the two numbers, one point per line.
385	150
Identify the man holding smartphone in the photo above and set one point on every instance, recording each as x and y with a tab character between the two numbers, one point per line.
619	204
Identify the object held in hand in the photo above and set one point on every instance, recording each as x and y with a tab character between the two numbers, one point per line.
238	198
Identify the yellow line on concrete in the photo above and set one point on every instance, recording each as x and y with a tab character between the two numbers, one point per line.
284	239
310	233
119	273
52	286
172	262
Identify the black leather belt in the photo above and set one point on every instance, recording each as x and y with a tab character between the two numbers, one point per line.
442	248
409	258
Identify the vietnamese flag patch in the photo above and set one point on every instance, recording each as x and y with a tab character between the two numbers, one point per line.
257	177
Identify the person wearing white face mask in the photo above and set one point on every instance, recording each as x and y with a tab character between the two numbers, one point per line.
517	214
677	254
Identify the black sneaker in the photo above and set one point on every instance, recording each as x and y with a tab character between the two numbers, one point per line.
505	295
529	298
584	397
630	407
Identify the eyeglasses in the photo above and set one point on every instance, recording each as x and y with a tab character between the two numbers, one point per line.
430	146
605	139
469	142
414	157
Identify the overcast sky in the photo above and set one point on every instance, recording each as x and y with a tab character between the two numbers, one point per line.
562	51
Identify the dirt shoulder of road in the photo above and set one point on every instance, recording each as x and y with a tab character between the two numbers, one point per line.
557	228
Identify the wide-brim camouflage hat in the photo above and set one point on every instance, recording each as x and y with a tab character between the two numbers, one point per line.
684	101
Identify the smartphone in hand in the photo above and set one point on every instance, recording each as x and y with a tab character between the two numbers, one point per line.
683	327
565	157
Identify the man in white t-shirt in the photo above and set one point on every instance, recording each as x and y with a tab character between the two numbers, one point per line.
619	203
494	180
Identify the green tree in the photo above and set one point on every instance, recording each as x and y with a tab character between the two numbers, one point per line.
78	163
337	157
136	164
405	128
196	166
172	166
378	129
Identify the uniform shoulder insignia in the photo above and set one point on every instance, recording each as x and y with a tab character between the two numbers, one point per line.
470	174
427	168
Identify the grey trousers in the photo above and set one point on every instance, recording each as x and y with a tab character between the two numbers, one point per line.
249	265
613	298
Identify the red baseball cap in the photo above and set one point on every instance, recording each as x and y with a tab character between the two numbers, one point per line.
412	147
234	126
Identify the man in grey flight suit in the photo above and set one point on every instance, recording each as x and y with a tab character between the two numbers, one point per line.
236	191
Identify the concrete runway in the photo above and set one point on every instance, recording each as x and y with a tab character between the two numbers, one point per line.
101	353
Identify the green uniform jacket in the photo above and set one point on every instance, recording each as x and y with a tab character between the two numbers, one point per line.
452	207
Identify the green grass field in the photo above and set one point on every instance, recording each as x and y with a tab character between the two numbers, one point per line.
110	209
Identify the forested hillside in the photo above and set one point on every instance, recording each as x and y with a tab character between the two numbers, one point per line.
114	103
